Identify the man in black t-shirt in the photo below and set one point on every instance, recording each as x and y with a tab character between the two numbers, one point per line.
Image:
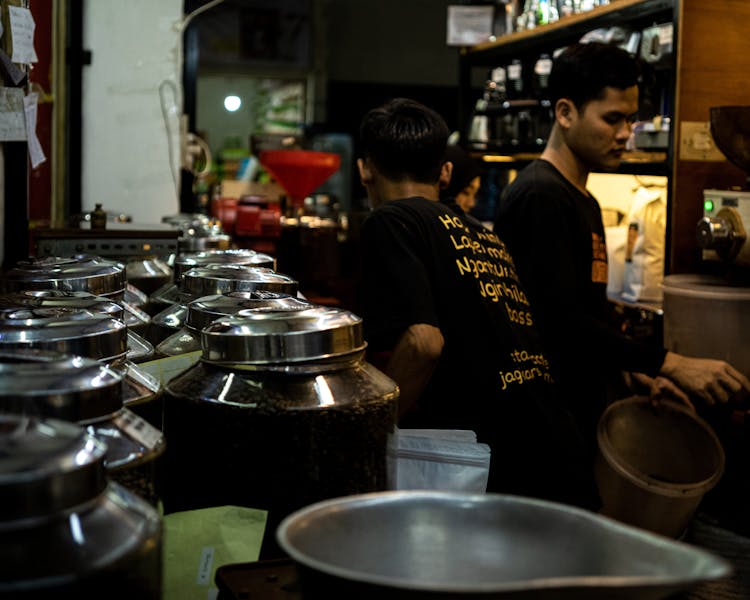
553	227
443	305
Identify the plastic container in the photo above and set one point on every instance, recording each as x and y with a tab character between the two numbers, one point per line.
704	316
655	464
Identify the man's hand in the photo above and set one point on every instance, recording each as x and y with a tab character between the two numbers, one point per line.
707	378
659	389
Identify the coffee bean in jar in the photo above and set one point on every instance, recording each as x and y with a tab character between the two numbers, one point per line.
47	384
67	531
281	411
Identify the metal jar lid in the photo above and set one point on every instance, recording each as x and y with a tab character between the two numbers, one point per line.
46	466
204	311
69	330
282	336
76	274
59	298
246	257
221	279
54	385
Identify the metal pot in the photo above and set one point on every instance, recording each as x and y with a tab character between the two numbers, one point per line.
216	279
282	410
72	388
67	531
203	311
427	544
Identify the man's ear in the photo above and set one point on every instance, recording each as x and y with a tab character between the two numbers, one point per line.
565	112
365	172
445	174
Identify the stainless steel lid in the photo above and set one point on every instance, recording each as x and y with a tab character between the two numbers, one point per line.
69	330
79	273
282	336
59	298
203	311
236	257
221	279
54	385
46	466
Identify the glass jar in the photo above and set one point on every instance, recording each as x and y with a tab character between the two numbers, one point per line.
216	279
203	311
80	332
281	411
172	293
67	532
81	273
72	388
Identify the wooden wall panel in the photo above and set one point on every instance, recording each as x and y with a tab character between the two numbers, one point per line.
713	68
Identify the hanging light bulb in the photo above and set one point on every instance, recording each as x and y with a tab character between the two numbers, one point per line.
232	103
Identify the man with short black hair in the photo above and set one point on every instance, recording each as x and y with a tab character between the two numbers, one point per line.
446	314
553	228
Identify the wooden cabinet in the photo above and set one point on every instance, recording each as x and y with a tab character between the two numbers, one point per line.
708	66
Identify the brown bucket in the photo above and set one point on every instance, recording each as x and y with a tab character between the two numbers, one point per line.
655	464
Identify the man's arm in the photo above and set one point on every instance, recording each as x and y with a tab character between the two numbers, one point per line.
412	362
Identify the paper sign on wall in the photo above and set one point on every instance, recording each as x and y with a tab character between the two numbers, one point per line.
22	35
12	115
36	154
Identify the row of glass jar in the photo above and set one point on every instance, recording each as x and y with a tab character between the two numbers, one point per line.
282	394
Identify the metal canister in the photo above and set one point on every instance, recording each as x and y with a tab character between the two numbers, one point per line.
81	273
204	311
168	295
72	388
67	531
138	348
216	279
79	332
281	411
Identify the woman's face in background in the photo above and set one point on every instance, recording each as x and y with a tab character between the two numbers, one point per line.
467	197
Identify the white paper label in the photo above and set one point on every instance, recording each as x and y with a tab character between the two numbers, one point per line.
204	566
36	154
140	430
22	35
12	117
514	71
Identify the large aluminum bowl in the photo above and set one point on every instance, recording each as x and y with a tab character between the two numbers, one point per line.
441	544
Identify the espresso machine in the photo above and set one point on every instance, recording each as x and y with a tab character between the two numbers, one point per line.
722	233
708	315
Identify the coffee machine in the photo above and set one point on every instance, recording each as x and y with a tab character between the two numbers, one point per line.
722	232
708	315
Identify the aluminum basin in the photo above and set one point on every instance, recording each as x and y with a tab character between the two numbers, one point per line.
444	544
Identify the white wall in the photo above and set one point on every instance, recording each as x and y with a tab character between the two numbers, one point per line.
126	162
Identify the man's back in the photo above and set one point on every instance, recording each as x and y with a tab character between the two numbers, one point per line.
423	264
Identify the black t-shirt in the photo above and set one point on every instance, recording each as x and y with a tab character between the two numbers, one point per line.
556	236
423	264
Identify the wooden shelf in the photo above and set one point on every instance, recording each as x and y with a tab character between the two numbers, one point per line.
633	163
567	28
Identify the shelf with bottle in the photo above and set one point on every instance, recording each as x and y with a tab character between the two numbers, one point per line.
570	27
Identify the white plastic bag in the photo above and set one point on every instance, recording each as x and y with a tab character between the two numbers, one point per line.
437	459
644	254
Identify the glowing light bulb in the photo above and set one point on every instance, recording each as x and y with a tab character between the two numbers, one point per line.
232	103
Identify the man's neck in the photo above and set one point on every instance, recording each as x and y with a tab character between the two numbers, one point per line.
385	191
562	158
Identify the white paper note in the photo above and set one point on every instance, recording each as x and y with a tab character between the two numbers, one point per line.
22	35
36	154
12	117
